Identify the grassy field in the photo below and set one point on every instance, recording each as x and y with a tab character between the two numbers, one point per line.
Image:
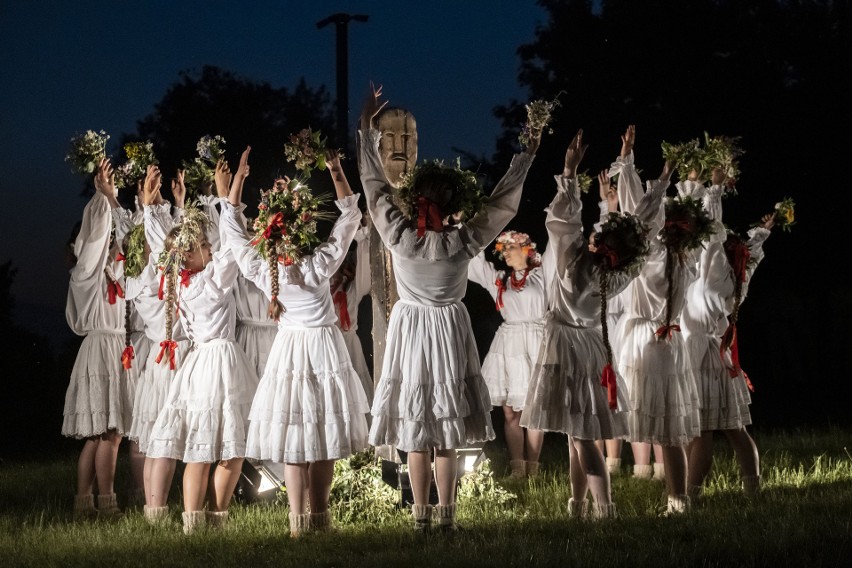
803	518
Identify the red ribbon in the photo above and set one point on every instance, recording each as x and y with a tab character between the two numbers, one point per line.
276	222
167	348
160	294
127	357
608	381
342	305
120	258
428	216
185	275
501	287
729	341
609	254
114	290
667	330
748	381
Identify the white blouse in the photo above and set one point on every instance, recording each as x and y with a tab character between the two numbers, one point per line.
526	305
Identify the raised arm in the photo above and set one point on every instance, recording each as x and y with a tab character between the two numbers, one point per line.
564	216
328	256
363	281
93	241
650	208
482	272
629	185
156	217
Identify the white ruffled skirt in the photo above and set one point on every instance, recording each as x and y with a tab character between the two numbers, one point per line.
98	398
510	361
310	405
724	400
663	396
256	340
205	416
431	394
152	391
566	394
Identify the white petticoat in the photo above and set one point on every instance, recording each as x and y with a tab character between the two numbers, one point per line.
663	396
98	396
566	394
431	393
510	361
256	340
359	363
310	405
152	391
723	399
205	416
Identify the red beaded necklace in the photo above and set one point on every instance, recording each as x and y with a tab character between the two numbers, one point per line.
518	284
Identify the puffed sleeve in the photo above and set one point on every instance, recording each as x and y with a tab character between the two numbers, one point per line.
363	282
124	221
387	218
158	224
564	229
482	272
502	206
211	228
629	186
92	244
650	209
757	236
250	263
713	207
328	256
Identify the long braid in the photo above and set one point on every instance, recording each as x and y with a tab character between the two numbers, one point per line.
169	345
128	354
275	307
604	285
670	283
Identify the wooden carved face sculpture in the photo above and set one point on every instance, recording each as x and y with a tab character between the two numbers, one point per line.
398	144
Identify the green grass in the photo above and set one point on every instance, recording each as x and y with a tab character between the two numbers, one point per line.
803	518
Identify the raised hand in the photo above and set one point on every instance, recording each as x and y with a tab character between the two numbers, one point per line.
105	179
535	142
236	194
574	154
222	178
668	170
768	220
372	106
179	190
151	187
607	193
718	176
628	140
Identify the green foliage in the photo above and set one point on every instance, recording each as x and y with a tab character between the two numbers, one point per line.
199	172
134	251
140	155
480	485
86	151
358	494
466	194
687	224
307	149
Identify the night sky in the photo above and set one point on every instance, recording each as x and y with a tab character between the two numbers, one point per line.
71	66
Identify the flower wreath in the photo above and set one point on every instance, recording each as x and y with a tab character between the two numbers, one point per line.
687	224
86	151
522	240
286	223
467	196
630	234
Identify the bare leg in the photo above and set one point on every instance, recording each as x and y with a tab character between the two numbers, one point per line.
613	448
195	480
420	475
514	434
659	454
594	469
601	446
320	475
745	450
700	459
137	465
446	475
161	473
86	467
535	439
296	481
225	478
675	460
641	453
579	482
105	458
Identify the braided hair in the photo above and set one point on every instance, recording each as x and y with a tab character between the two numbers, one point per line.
276	308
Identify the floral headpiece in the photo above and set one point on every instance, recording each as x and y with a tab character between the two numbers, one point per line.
687	224
522	240
86	151
134	251
286	223
140	155
467	196
200	170
307	149
718	152
632	244
190	232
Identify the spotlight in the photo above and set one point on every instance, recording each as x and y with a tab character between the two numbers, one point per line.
259	481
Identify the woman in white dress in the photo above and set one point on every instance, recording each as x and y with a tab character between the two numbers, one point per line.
98	405
725	267
431	395
310	408
520	296
205	417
